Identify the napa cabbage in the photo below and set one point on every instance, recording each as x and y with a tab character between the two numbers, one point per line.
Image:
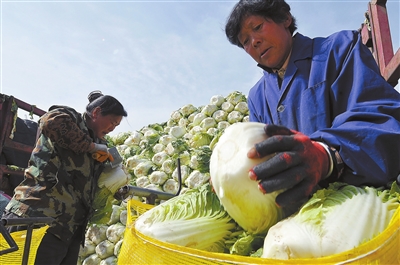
334	220
195	219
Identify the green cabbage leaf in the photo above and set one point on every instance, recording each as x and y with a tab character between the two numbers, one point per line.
195	219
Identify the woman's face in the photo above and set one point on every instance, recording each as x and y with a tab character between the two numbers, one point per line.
267	42
102	125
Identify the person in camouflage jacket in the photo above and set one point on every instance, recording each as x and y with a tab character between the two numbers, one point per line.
61	179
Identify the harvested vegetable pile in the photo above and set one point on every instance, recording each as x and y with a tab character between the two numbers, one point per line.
150	157
151	154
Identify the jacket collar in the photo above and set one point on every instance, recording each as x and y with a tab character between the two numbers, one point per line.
301	49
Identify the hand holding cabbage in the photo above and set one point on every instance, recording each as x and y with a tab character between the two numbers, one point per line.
297	167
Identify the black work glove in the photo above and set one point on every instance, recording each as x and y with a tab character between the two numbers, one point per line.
297	167
122	193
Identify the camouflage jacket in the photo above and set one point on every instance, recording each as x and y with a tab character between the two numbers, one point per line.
61	179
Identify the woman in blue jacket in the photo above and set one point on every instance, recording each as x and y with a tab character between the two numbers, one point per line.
329	113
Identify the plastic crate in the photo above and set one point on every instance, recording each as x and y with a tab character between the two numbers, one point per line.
15	257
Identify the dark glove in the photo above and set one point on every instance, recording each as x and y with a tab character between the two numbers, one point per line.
297	167
121	193
100	153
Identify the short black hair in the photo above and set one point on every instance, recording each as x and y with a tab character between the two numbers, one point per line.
277	10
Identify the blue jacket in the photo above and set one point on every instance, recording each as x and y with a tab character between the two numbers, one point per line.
333	92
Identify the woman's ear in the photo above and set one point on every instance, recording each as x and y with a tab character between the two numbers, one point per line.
288	20
95	113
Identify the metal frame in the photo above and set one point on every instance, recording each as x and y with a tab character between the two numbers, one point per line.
376	35
30	223
7	114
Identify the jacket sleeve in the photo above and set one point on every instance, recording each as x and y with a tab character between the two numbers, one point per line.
61	127
366	118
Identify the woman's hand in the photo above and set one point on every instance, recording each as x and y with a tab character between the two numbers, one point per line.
100	153
297	167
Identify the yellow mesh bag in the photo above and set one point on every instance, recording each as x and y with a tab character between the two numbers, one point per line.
140	249
19	237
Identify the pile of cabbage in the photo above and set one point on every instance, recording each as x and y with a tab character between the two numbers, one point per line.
151	154
103	240
150	157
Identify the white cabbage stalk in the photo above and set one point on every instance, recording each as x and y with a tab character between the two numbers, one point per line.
242	107
246	118
168	166
194	219
196	129
105	249
170	149
120	137
171	186
196	179
334	220
236	97
142	181
159	158
209	109
166	129
158	177
198	118
115	214
143	168
151	135
115	232
188	136
87	249
93	259
170	123
254	211
220	115
134	138
158	147
166	139
144	143
117	247
96	233
187	110
217	100
185	171
176	116
109	261
121	148
183	122
191	116
123	216
133	161
235	116
194	163
207	123
212	131
128	151
177	131
227	107
114	178
223	125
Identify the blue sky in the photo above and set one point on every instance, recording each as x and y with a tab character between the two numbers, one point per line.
154	56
